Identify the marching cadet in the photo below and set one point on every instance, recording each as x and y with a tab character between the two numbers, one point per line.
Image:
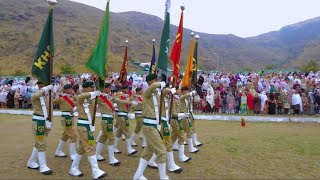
67	107
196	143
151	120
186	123
105	102
40	128
85	131
176	124
165	131
138	117
123	101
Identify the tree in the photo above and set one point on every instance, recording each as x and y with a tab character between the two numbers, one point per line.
311	65
66	68
270	67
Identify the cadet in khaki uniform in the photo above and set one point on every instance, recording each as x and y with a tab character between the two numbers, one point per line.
186	123
85	131
166	131
67	106
123	101
149	129
105	103
40	128
138	117
176	124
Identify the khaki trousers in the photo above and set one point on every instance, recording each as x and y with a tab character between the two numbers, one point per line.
154	144
107	133
176	132
123	127
139	122
69	132
40	142
86	146
186	127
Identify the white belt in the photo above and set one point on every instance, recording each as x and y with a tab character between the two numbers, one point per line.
106	115
138	112
122	114
83	122
40	118
164	118
150	121
65	113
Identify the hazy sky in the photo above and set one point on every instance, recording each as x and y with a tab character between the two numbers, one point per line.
243	18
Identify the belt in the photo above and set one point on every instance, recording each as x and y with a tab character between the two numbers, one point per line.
138	112
106	115
65	113
164	118
122	113
83	122
38	118
150	121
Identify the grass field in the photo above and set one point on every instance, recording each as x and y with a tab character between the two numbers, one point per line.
258	151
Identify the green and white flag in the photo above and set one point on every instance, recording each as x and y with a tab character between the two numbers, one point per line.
41	62
98	58
164	44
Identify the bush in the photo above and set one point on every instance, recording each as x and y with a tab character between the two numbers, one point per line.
310	66
67	69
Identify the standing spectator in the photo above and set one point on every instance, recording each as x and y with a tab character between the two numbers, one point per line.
230	103
279	103
20	102
296	103
217	102
257	104
210	100
311	97
306	104
317	102
271	104
10	98
17	95
243	105
250	102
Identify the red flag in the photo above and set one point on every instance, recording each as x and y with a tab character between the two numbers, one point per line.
176	51
124	68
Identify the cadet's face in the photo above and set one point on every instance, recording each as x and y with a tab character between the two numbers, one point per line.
68	91
107	90
126	91
140	92
89	89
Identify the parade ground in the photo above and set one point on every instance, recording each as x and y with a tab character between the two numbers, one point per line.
261	150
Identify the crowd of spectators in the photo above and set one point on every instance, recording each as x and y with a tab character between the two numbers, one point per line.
231	93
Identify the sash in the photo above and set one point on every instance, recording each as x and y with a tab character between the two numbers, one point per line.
127	105
139	99
156	109
66	98
43	107
106	100
87	111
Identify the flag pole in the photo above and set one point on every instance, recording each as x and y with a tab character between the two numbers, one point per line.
51	3
174	78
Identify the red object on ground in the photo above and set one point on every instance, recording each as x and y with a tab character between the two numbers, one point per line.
243	124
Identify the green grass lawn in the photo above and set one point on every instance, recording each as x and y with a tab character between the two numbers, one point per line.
257	151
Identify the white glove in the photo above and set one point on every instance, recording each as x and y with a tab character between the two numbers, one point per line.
173	90
92	128
192	93
115	105
131	115
181	116
75	109
163	85
48	124
47	88
94	94
134	103
187	114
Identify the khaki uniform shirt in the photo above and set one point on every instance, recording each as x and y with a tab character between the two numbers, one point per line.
64	105
104	108
123	105
36	104
184	107
148	106
80	101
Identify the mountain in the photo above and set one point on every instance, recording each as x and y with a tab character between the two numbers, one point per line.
76	27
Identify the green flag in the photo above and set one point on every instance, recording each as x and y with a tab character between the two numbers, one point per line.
98	58
195	63
164	44
41	62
